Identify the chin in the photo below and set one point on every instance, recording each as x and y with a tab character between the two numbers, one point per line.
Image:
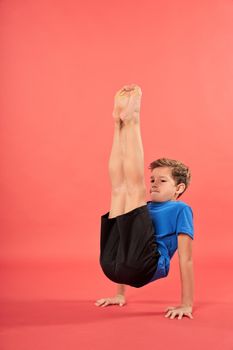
157	198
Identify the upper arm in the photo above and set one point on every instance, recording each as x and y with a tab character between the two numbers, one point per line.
184	231
184	246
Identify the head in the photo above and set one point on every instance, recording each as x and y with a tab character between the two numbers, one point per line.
169	179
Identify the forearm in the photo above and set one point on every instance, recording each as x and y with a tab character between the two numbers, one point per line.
187	282
120	289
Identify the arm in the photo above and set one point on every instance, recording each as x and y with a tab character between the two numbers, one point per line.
120	289
186	269
186	278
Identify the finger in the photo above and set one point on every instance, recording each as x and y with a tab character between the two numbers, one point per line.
168	314
189	314
173	315
97	304
99	300
180	316
105	304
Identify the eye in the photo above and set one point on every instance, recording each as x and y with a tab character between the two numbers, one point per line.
161	181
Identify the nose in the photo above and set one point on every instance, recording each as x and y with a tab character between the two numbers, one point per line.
154	184
154	187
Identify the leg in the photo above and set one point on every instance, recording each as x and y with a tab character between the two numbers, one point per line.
137	257
116	173
109	241
128	239
133	165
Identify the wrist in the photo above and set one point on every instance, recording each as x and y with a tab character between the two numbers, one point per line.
120	289
185	304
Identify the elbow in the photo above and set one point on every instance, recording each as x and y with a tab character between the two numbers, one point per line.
187	259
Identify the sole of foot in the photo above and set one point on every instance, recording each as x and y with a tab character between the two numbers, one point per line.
127	104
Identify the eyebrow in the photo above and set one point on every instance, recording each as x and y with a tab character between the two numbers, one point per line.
159	176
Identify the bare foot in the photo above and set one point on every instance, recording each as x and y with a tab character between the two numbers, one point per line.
120	102
127	103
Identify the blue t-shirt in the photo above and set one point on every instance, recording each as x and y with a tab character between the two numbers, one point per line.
169	219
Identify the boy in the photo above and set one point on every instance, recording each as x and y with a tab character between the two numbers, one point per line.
139	238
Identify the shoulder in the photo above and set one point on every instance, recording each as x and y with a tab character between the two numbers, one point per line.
184	223
184	207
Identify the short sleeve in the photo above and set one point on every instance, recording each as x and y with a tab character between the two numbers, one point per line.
185	222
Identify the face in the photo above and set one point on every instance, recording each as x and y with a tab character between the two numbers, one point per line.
162	185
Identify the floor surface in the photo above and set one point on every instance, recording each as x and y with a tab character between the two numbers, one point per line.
50	305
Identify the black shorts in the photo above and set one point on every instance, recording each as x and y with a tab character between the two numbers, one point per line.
128	251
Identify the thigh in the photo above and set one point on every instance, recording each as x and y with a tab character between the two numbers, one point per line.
118	198
109	245
109	238
137	245
137	256
135	199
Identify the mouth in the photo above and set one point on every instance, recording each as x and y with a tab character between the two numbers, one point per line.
153	191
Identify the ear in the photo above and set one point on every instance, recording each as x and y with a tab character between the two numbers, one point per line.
180	188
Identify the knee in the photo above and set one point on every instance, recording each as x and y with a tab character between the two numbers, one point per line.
139	191
119	190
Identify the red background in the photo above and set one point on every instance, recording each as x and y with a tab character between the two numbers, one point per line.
61	64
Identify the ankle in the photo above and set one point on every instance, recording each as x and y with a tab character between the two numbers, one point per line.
131	122
118	124
132	118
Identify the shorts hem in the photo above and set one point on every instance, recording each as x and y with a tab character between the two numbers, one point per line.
132	212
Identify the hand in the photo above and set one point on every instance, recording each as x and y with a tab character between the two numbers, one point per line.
179	311
127	103
117	300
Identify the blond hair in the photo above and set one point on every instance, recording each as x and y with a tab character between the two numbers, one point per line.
179	171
